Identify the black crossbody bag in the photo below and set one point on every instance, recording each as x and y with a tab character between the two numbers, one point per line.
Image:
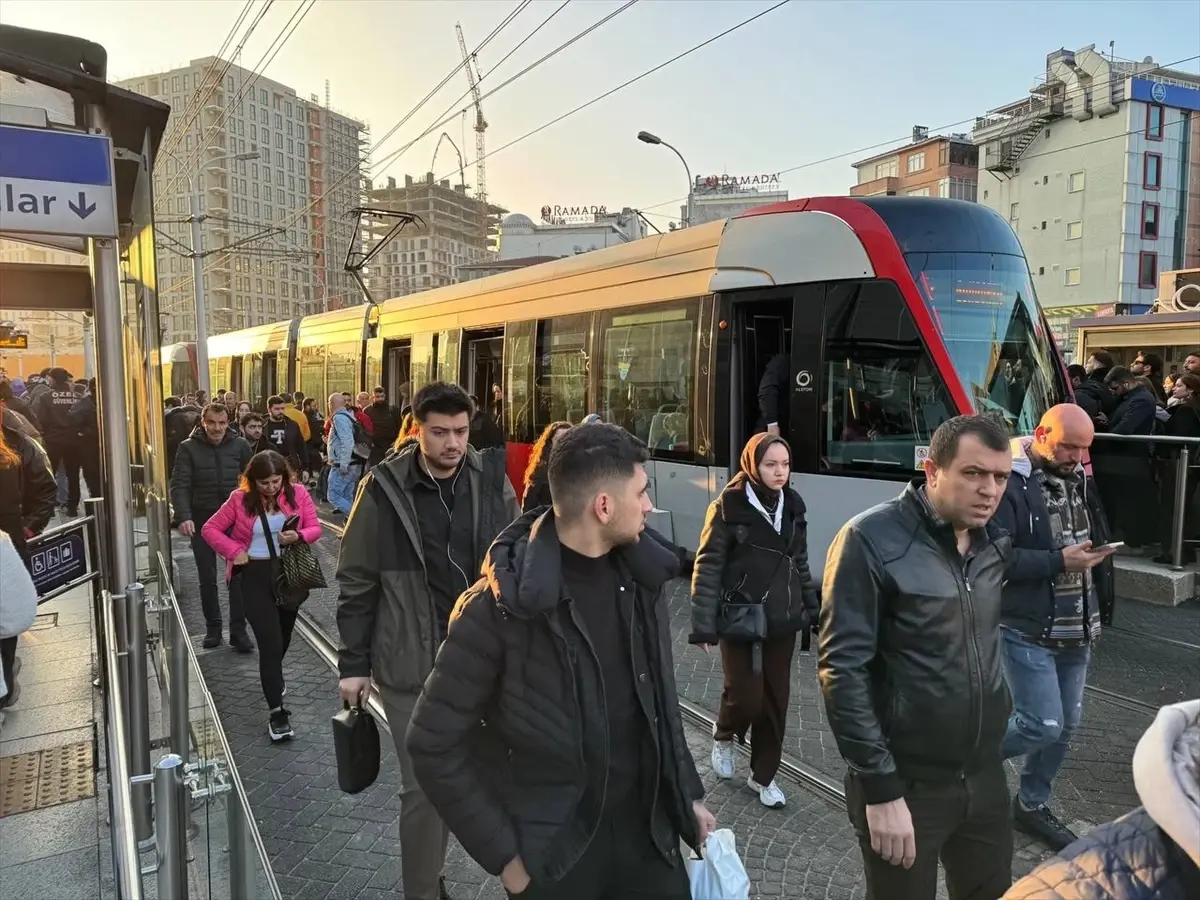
743	620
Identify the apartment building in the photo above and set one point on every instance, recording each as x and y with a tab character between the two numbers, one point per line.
456	229
716	197
276	174
563	233
928	166
1098	172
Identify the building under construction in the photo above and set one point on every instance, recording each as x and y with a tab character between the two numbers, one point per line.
458	230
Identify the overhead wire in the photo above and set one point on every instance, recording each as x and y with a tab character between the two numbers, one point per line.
286	222
883	145
281	38
199	98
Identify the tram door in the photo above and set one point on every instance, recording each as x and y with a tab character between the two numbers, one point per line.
764	332
397	363
483	367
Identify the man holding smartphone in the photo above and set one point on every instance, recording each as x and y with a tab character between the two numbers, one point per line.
1050	608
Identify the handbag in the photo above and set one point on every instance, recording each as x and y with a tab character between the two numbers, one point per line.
303	566
743	620
356	745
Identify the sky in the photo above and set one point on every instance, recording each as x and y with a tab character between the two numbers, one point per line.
804	90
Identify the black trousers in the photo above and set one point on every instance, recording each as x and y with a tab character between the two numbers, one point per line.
69	455
967	824
272	626
757	703
206	574
8	659
621	863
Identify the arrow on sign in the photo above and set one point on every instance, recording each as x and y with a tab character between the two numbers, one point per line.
83	210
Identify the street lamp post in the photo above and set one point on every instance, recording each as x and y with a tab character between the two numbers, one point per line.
647	138
197	217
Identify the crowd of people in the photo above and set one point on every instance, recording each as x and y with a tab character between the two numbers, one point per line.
523	651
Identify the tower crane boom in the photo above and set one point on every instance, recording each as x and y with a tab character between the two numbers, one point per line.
473	77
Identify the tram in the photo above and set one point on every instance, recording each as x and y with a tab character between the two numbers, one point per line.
893	314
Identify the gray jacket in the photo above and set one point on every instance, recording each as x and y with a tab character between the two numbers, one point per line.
386	615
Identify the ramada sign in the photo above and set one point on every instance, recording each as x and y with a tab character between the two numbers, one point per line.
572	215
729	183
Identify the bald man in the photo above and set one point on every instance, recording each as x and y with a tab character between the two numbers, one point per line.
1050	609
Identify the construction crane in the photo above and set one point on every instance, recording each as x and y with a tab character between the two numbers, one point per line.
474	77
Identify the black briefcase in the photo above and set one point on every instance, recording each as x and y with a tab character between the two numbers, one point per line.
356	742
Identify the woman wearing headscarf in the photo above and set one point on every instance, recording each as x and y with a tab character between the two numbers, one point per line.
753	557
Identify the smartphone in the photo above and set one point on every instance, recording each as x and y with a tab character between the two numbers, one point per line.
1115	545
291	523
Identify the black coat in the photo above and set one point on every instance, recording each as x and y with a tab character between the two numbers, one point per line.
537	494
740	551
518	660
1094	396
205	474
774	393
1036	560
909	662
27	490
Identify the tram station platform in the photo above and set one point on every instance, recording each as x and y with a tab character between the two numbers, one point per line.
53	838
325	844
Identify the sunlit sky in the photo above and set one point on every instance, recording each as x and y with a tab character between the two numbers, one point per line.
806	89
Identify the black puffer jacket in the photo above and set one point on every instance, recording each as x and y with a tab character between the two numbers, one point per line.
205	474
739	550
909	660
1094	396
1129	859
537	492
518	659
27	490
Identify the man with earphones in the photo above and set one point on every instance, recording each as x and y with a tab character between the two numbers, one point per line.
415	540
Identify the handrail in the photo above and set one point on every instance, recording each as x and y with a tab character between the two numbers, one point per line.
1148	438
181	633
59	529
126	860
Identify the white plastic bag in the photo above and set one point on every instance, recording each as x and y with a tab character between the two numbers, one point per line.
720	875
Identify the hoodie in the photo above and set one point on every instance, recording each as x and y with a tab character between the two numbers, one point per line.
1153	853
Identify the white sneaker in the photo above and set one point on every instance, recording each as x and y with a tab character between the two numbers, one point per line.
722	759
770	796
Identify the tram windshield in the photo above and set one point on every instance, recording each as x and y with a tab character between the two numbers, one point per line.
985	308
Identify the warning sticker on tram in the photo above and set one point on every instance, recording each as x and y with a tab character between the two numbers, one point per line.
920	454
58	560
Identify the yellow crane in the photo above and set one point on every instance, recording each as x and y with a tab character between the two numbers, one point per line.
473	76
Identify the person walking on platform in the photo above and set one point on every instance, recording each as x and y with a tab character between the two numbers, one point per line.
267	508
1051	605
754	550
18	609
283	435
86	422
53	409
537	481
423	521
579	784
342	464
27	497
208	467
385	421
910	671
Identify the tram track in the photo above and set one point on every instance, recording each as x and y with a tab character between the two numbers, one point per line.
1157	638
792	769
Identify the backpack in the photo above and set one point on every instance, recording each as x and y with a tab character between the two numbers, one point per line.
362	440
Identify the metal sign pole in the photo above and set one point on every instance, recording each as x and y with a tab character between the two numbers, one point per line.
139	707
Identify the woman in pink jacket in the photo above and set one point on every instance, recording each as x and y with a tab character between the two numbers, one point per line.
236	533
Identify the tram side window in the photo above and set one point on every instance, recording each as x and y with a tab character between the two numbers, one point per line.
562	372
882	396
646	380
519	417
310	374
341	367
423	360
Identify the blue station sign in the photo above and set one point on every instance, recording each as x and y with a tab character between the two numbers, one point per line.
59	560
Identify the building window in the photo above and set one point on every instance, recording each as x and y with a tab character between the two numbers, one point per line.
1071	277
1154	122
1152	172
1148	269
916	162
1075	182
1150	221
1014	212
918	192
1074	231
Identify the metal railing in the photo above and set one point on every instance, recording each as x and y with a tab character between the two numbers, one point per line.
1188	458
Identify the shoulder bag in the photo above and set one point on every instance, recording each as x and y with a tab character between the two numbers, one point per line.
294	572
743	620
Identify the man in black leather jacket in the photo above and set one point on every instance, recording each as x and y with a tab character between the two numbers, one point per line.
910	672
548	735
